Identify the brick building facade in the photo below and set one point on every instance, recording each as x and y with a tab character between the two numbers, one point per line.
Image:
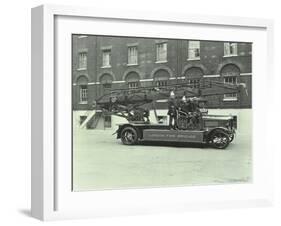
102	63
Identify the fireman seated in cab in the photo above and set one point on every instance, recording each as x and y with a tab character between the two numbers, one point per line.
185	105
146	115
193	105
195	113
189	113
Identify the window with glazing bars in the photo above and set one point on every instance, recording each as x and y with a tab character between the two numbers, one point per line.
161	83
230	80
194	83
230	48
82	60
133	85
193	50
107	85
106	58
83	94
132	55
161	52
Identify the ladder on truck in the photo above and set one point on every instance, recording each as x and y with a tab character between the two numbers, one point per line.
92	120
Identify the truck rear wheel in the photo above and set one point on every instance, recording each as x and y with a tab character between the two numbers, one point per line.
129	136
219	139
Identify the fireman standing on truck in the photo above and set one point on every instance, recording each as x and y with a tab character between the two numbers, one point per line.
172	111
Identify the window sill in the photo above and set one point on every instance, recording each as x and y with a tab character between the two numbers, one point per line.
162	101
193	59
132	65
233	55
81	69
106	66
84	102
230	99
160	62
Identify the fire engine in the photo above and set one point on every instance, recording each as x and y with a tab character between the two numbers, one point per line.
190	121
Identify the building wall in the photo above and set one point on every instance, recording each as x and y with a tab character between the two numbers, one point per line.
212	61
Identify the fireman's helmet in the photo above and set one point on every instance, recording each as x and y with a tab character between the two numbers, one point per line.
172	94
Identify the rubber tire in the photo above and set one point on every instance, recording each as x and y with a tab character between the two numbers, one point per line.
219	133
231	138
129	140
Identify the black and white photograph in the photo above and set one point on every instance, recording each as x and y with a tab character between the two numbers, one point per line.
150	112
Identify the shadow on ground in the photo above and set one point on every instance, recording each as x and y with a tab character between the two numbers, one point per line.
173	144
26	212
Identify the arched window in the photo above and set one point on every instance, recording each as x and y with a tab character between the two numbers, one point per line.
230	73
82	83
193	76
133	80
106	81
161	77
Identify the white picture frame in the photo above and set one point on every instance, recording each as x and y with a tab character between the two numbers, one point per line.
51	192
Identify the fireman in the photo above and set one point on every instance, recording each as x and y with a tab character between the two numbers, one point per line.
196	115
172	112
146	115
172	98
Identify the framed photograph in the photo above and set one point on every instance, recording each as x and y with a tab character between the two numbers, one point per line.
136	113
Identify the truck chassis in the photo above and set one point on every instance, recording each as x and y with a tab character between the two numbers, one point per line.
217	132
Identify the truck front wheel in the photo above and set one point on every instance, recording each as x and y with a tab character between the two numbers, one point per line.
231	137
219	139
129	136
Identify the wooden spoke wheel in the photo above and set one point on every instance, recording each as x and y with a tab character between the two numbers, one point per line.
219	139
129	136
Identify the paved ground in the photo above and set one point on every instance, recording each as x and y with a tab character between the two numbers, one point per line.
102	162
